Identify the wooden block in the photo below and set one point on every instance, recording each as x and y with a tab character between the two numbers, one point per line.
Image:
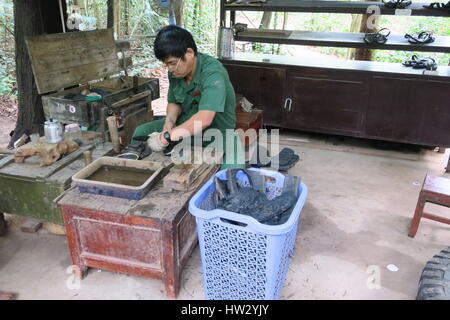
246	121
31	226
7	295
182	176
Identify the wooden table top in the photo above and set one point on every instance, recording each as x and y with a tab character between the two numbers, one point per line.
158	203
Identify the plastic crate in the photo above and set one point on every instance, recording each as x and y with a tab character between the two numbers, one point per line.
246	261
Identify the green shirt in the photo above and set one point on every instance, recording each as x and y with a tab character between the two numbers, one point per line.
210	89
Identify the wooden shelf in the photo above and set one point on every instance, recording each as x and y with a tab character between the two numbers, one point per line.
340	39
352	7
308	61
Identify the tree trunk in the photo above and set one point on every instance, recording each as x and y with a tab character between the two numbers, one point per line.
264	24
110	19
177	7
31	18
364	54
116	23
97	14
265	21
125	16
285	20
359	24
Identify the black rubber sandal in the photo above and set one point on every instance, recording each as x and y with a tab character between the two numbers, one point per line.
135	151
420	38
409	63
396	4
417	63
377	37
439	6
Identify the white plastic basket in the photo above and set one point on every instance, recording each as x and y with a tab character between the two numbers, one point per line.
244	260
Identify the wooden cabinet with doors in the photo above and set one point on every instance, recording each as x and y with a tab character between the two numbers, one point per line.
264	87
409	110
357	99
377	100
326	102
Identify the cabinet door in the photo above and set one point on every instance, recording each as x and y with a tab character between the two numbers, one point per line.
329	103
264	87
409	110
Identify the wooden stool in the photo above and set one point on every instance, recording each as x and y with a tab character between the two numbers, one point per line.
246	121
435	190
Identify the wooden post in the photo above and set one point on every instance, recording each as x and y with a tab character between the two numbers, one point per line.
116	23
114	133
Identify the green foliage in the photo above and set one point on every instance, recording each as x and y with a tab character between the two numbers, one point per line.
7	81
7	60
201	19
440	26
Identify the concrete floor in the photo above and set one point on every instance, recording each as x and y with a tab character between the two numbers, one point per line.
354	223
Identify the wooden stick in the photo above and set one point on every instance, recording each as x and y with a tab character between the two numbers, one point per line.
114	133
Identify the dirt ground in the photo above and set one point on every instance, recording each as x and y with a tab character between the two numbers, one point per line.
8	117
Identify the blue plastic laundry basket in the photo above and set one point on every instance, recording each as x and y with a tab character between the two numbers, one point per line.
244	262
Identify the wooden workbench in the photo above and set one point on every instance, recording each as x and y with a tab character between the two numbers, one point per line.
152	237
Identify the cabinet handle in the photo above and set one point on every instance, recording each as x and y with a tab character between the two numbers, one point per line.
288	100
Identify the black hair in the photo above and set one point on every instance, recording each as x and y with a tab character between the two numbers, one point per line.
173	41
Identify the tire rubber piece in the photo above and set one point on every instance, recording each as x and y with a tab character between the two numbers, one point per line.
434	281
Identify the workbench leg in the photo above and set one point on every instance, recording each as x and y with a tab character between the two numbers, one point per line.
73	243
2	224
171	272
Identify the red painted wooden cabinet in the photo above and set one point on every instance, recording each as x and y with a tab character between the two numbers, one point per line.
152	237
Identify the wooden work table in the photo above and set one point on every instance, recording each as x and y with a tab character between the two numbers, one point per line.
152	237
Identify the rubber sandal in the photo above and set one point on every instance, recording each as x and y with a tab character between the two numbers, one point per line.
396	4
135	151
439	6
377	37
416	63
420	38
128	155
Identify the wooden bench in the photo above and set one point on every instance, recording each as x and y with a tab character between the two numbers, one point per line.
434	190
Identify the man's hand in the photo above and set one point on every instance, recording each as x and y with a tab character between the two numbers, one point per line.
162	139
169	125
